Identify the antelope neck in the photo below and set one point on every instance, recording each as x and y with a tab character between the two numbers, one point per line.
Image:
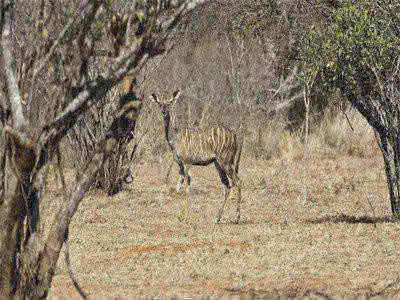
167	132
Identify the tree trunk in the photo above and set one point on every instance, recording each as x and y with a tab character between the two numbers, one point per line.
389	145
386	125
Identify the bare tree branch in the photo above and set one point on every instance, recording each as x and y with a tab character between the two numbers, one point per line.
55	240
70	272
184	8
52	49
88	92
96	89
12	86
67	27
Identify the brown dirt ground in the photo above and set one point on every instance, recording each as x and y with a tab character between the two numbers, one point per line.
340	241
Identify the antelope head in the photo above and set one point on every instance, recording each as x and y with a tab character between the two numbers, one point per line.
165	102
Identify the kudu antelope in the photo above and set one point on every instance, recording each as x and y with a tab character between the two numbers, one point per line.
201	147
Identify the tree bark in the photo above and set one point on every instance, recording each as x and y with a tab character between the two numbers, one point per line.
49	257
389	145
386	125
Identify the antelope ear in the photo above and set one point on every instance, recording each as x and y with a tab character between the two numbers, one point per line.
175	96
154	98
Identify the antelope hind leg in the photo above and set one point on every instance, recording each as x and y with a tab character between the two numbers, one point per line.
237	184
185	200
181	178
225	182
221	209
239	199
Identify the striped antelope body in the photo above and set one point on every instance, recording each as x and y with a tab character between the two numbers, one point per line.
201	147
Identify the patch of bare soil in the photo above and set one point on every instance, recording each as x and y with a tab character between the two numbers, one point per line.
340	240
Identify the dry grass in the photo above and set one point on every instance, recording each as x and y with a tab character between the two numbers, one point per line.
341	241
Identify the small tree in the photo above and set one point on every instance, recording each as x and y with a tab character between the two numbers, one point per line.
356	50
46	51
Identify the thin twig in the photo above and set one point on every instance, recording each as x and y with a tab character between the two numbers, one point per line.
347	118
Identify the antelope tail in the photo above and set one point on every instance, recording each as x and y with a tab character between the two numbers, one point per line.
239	152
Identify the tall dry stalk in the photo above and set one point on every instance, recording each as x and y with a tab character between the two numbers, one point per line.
305	151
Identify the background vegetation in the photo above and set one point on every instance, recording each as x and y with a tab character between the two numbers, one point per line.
318	220
237	62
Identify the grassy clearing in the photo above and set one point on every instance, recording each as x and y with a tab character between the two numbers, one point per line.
340	241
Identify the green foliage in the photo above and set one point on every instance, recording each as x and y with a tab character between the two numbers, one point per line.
358	42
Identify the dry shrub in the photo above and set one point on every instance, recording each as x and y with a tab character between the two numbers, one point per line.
268	138
150	134
89	130
226	80
263	137
336	133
